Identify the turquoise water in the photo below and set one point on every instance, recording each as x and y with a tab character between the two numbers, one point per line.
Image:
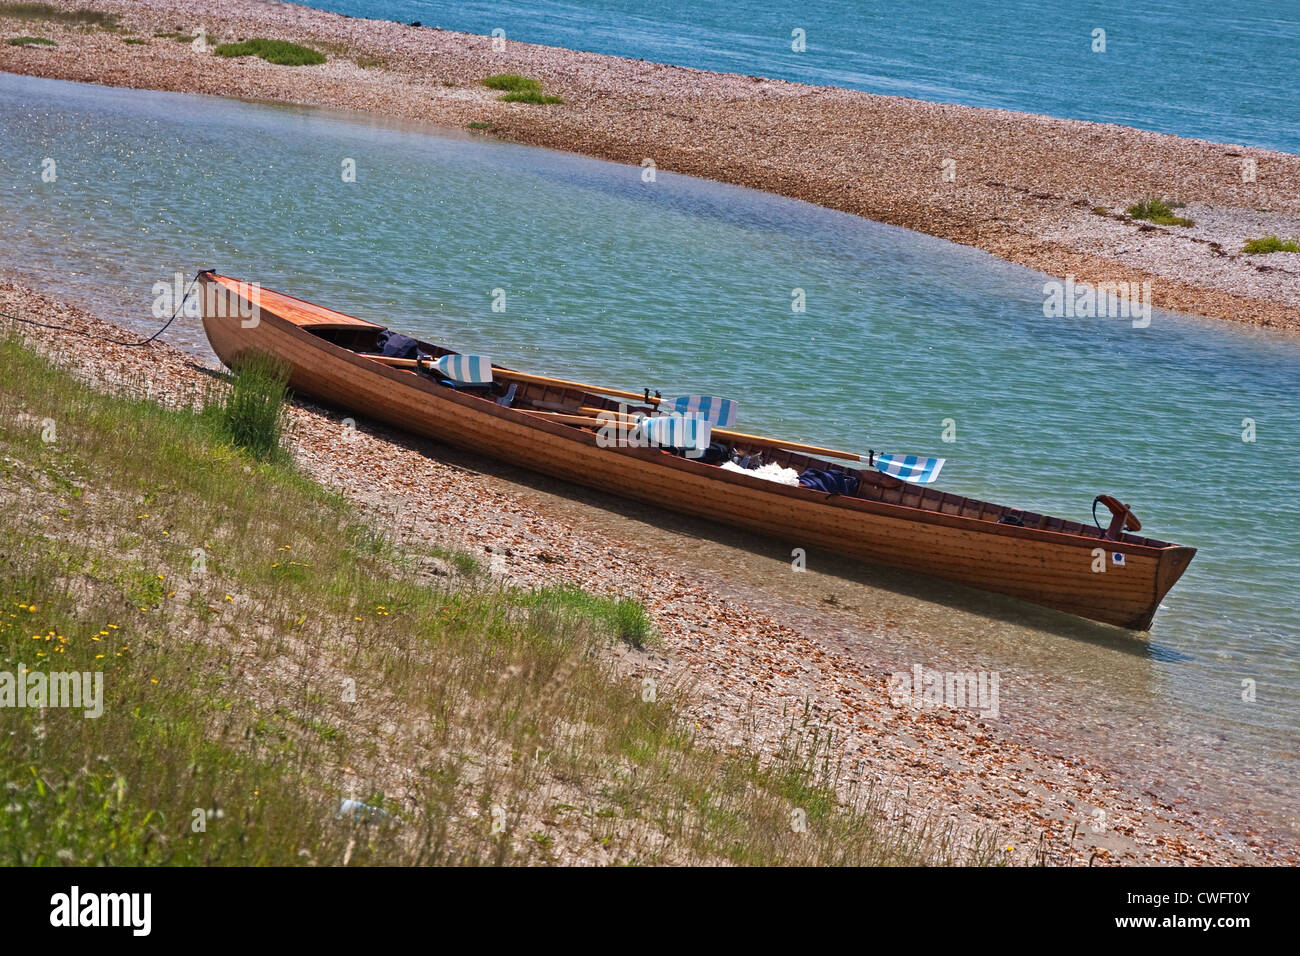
1202	68
686	285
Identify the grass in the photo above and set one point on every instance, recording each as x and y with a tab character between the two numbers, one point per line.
519	89
251	412
267	652
1270	244
1159	212
624	619
53	14
30	41
479	126
279	52
512	83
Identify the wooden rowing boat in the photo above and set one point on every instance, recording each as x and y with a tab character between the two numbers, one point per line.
1045	560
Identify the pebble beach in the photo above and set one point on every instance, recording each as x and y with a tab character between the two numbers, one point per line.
1046	193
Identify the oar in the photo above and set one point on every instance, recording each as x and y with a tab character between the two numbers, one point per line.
668	431
913	468
720	412
465	369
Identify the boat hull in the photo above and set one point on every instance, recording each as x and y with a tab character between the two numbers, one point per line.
1052	569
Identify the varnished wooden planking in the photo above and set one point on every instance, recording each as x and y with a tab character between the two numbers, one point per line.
1048	567
293	310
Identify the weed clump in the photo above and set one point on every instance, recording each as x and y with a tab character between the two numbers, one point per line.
1268	244
519	89
279	52
251	414
1159	212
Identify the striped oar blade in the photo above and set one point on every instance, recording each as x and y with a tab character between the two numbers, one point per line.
910	467
678	431
718	412
465	369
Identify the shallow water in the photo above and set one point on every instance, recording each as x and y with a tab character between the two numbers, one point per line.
686	285
1224	72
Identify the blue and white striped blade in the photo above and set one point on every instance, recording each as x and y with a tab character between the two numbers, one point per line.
466	369
910	467
718	412
678	431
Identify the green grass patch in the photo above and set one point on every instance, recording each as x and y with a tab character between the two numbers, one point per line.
1270	244
623	618
53	14
1159	212
135	41
279	52
30	41
512	83
251	413
464	562
519	89
479	126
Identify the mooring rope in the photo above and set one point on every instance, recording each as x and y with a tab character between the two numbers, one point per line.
103	338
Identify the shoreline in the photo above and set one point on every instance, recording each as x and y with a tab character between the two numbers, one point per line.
1041	192
752	663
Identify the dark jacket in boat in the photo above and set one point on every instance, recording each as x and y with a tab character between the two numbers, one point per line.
397	345
831	482
715	454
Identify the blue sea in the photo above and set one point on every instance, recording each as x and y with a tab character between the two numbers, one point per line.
1200	68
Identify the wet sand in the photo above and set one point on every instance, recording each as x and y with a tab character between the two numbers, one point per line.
1046	193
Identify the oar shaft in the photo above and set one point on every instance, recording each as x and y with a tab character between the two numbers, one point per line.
758	440
565	419
529	379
